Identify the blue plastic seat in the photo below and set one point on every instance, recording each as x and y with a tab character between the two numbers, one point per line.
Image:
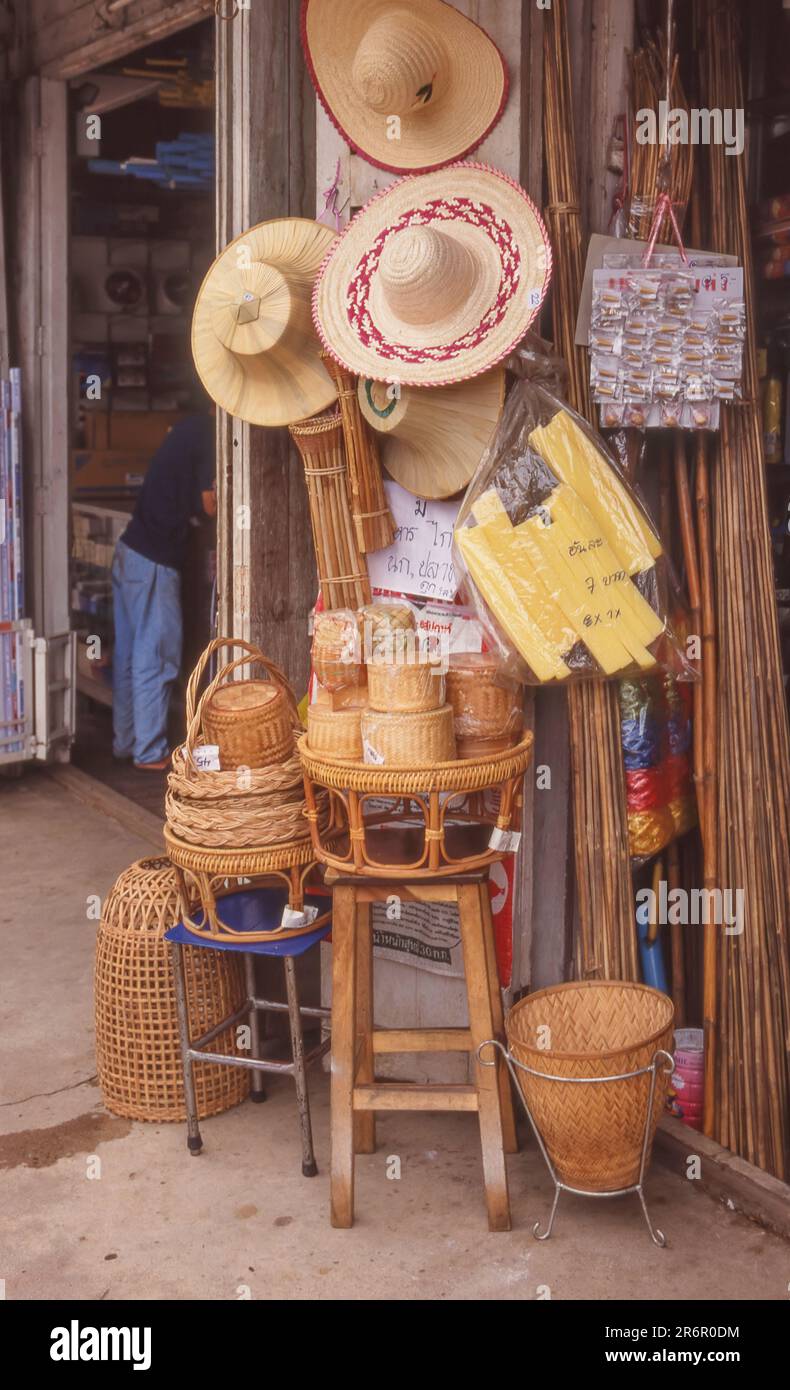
255	910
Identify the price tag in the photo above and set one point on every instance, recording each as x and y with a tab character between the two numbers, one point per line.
207	757
371	754
507	840
293	920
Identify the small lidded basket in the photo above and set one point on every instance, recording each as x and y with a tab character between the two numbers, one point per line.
379	626
407	686
419	738
253	723
487	706
337	650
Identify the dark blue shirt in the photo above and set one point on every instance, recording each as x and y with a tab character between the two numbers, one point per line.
180	470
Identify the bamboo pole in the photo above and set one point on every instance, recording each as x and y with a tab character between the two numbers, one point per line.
606	945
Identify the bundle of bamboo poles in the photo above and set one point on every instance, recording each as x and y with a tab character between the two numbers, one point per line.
341	569
753	755
648	86
372	519
606	946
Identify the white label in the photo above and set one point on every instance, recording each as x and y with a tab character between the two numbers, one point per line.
371	754
207	757
293	920
534	299
507	840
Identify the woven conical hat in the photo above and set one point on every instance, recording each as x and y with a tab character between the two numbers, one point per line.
436	279
253	341
410	84
432	441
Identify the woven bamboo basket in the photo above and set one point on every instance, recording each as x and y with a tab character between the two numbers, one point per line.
233	808
413	821
405	686
341	568
483	708
595	1028
335	733
379	625
416	739
484	747
137	1045
337	655
251	722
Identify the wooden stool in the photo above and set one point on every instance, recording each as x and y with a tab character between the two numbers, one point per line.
356	1094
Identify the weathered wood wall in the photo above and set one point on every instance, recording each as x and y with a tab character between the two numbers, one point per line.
63	38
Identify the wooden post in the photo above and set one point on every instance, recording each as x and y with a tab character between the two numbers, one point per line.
266	164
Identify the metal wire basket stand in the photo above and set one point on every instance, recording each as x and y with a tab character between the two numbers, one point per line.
656	1235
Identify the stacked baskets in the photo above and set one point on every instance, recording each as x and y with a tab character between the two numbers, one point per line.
487	708
236	781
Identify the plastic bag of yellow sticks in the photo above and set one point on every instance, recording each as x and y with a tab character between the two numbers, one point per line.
559	556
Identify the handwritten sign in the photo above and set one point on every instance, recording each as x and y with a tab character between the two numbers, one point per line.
420	559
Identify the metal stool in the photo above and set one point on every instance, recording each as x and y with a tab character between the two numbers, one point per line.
356	1094
253	911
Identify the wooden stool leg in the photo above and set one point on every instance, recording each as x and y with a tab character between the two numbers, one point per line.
503	1075
481	1025
364	1120
343	1049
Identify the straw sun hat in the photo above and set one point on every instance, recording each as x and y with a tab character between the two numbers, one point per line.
432	441
253	341
436	279
420	61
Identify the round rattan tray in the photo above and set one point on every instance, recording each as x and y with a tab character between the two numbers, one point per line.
444	812
210	869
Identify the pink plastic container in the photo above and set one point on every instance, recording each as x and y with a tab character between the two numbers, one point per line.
688	1080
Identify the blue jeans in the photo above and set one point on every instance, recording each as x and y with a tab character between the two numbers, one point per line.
147	653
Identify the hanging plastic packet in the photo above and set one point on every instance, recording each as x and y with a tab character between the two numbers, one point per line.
557	554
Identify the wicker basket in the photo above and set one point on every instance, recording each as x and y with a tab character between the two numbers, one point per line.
405	686
253	723
593	1134
379	624
484	747
137	1045
335	733
410	740
441	816
337	658
235	808
483	707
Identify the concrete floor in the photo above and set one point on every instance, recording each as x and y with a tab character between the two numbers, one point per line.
240	1221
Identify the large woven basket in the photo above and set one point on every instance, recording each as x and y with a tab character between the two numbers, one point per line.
414	821
137	1046
252	722
593	1134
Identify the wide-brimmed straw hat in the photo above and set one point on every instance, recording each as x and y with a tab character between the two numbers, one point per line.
432	441
436	279
253	341
410	84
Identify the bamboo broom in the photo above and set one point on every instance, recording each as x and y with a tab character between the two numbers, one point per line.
373	522
606	946
752	1074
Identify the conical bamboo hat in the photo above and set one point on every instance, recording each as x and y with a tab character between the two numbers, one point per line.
253	341
432	441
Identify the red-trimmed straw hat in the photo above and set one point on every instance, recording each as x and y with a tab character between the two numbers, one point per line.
436	279
410	85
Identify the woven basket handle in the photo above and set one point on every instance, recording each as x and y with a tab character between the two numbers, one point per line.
254	656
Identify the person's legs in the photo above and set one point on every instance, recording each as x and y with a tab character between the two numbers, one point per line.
156	662
122	699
